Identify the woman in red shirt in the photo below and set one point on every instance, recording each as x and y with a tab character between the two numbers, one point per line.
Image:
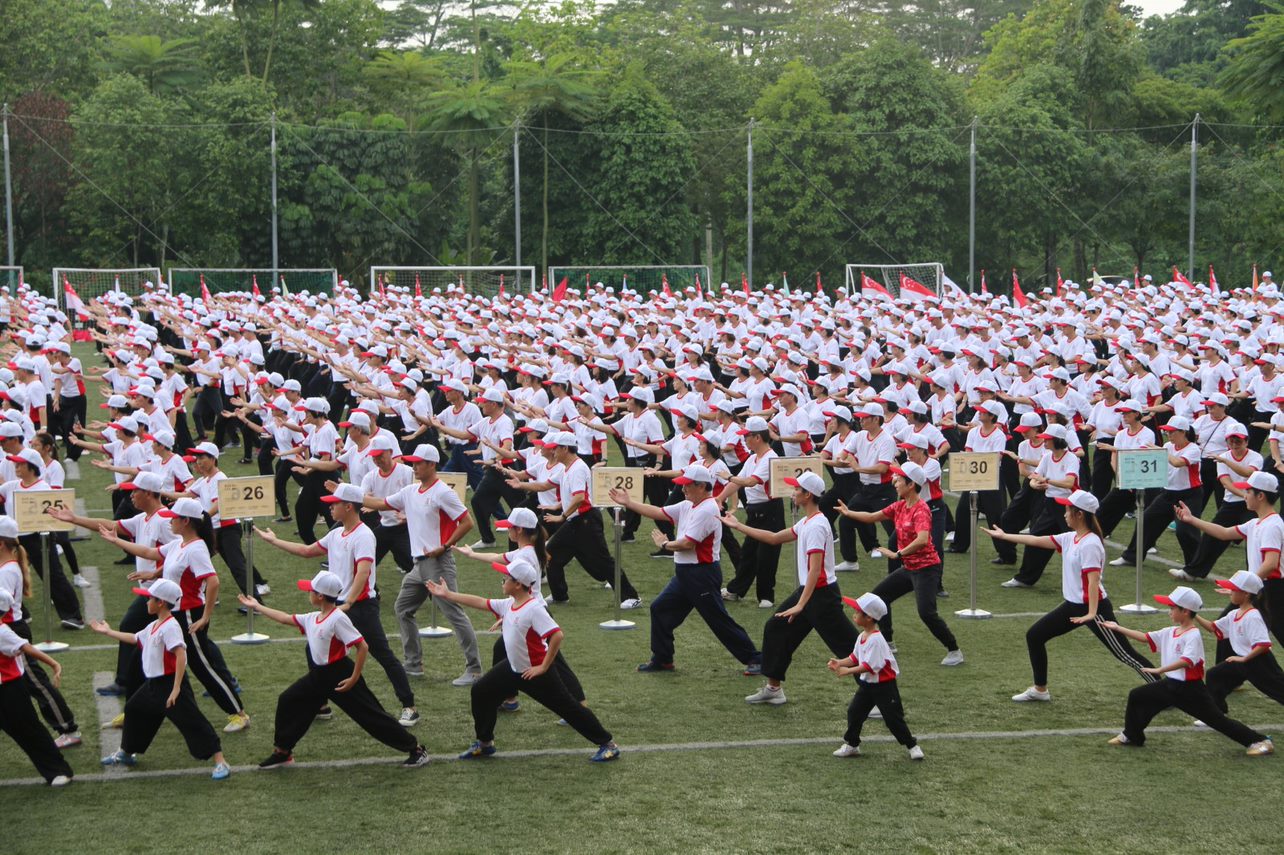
920	569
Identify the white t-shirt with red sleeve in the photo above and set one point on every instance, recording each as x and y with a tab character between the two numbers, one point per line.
1264	535
329	636
1246	631
577	480
158	640
1174	644
1080	555
814	535
758	467
146	530
1184	477
13	664
526	629
432	514
873	651
188	565
701	524
344	550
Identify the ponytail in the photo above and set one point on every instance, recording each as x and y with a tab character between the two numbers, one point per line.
1093	524
20	555
539	541
204	529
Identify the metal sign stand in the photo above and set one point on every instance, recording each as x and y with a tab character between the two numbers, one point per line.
49	645
1137	607
1140	470
972	612
249	636
618	622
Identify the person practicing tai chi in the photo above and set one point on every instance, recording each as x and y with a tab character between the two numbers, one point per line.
17	718
697	573
350	547
874	666
332	677
1242	629
815	604
1181	653
532	640
1083	558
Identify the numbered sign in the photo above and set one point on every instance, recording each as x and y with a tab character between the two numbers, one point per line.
457	481
608	478
974	470
245	498
29	510
791	467
1143	469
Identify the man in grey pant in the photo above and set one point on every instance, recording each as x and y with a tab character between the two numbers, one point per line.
413	593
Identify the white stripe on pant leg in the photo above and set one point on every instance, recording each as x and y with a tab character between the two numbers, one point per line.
1115	644
63	726
200	654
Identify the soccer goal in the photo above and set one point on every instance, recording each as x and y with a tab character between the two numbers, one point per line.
641	278
91	283
930	274
472	280
11	278
314	280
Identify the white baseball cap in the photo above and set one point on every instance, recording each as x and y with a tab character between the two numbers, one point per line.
151	482
345	493
189	508
425	452
1183	598
324	583
870	604
1176	423
1261	481
357	419
521	572
380	443
694	474
1249	583
162	589
754	424
519	518
1081	499
809	481
912	471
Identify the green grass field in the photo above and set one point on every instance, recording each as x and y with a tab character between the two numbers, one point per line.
1009	791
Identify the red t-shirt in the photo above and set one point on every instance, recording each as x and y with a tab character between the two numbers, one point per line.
909	521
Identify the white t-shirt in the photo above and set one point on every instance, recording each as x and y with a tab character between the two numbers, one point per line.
146	530
526	630
432	514
381	486
1246	631
873	651
344	549
1264	535
758	467
1173	644
701	524
13	664
814	535
158	640
1079	557
188	565
329	637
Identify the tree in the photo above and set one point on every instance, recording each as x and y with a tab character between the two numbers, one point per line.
403	79
165	66
1256	69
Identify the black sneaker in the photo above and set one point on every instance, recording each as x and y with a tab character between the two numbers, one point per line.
1003	562
325	713
653	667
73	623
660	553
628	538
276	760
124	562
418	757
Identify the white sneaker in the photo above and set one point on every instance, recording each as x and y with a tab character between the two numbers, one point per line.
67	740
631	603
767	695
1119	562
949	538
1154	550
1199	724
916	753
765	604
483	544
409	717
1032	694
237	722
59	781
1178	573
728	596
262	590
606	585
465	679
71	469
846	750
954	657
847	567
1261	749
1015	583
80	581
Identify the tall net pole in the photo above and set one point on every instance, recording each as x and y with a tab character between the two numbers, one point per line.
8	191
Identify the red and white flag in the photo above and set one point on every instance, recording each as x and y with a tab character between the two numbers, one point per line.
1254	277
72	299
205	292
501	286
952	286
664	280
912	289
254	286
819	289
559	293
419	289
984	290
1212	281
870	288
1018	296
1061	283
744	282
1179	277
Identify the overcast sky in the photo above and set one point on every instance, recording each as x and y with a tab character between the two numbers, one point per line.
1157	7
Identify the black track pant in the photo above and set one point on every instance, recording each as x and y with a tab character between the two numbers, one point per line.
53	706
1230	514
1158	514
297	707
64	595
308	507
129	657
869	498
1057	623
1049	521
988	502
1191	697
18	719
1262	672
228	540
759	561
823	613
843	487
698	587
280	478
581	537
563	668
145	711
1016	516
924	584
365	617
1271	602
887	697
394	539
502	682
205	661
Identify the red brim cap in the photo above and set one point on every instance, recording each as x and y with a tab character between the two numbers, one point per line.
499	568
304	584
1063	500
1165	600
377	451
331	499
503	524
166	513
142	592
1227	584
792	482
851	601
189	458
128	485
410	458
1025	428
1241	485
1168	427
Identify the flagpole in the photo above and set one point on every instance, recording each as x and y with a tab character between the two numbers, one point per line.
8	202
275	258
517	200
971	213
1194	148
749	215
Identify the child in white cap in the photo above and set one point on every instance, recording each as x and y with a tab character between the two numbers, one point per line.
1243	630
874	666
166	692
17	718
1181	663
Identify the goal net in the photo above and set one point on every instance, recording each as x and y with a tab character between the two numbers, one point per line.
930	274
472	280
11	278
314	280
91	283
639	278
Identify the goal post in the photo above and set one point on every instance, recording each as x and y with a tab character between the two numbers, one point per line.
314	280
92	282
930	274
641	278
474	280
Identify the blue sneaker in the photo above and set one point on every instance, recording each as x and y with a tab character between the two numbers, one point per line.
606	753
477	751
753	669
221	772
653	667
120	758
510	706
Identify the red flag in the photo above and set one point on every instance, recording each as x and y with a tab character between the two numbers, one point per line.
871	288
1061	283
1018	296
419	290
1136	276
914	290
254	286
699	290
744	282
383	286
1212	281
205	292
544	283
70	297
819	290
559	293
1178	277
501	284
664	280
1254	277
984	290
